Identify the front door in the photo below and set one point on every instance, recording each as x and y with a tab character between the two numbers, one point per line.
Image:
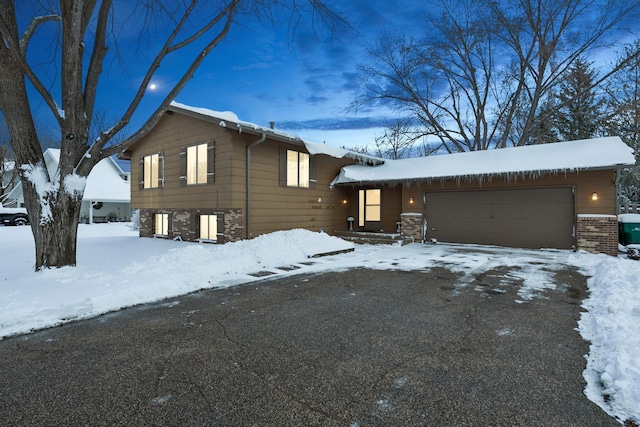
369	212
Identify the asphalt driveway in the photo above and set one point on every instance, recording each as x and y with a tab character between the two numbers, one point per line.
355	348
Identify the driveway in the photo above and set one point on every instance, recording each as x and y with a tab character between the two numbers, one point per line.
353	348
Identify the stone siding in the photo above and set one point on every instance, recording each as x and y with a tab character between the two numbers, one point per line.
184	223
411	226
598	234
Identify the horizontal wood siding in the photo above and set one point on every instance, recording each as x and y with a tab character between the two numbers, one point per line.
585	182
276	207
172	133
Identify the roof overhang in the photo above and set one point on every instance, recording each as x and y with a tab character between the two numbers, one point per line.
230	120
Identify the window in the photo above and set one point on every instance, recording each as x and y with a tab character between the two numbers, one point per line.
196	164
209	227
297	169
152	171
161	224
368	206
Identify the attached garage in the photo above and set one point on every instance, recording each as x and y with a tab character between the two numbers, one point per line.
560	195
523	217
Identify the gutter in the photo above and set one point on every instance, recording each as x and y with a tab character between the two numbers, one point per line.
617	186
249	147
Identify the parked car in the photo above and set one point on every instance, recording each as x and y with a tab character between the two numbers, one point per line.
13	216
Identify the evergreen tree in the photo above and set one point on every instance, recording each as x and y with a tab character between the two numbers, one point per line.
579	113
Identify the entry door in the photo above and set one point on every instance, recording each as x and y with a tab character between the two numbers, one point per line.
369	212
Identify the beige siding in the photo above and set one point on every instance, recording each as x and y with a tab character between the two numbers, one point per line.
169	136
272	207
585	182
275	207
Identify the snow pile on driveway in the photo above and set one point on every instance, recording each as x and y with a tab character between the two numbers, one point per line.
612	325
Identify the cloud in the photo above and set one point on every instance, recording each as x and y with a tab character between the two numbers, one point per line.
330	123
313	99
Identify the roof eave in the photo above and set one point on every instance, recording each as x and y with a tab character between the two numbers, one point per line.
240	127
482	177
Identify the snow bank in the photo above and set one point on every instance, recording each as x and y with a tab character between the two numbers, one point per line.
124	271
611	325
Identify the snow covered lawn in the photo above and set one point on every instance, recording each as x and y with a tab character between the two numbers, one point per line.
116	269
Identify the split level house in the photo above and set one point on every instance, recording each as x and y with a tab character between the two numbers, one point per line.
203	175
107	193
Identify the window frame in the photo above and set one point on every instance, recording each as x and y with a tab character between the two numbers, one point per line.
165	221
156	180
302	159
207	176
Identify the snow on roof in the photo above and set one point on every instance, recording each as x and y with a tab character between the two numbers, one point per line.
104	183
531	160
339	153
229	118
222	115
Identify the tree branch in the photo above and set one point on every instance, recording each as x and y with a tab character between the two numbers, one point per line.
155	117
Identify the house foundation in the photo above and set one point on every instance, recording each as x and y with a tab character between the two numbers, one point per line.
184	224
598	233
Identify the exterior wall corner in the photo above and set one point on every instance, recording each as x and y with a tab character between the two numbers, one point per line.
411	226
598	234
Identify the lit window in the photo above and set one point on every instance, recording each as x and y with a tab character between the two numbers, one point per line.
368	206
152	171
162	225
209	227
297	169
197	164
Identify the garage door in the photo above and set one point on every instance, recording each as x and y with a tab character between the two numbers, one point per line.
521	218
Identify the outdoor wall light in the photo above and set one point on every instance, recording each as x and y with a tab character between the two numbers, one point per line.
594	196
411	200
344	201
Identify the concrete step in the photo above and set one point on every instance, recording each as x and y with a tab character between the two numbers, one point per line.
371	238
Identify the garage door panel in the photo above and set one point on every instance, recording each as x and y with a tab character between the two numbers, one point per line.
530	218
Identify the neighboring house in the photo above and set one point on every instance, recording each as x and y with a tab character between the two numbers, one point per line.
106	196
8	180
207	176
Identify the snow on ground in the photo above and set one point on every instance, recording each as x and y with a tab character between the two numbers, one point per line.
117	269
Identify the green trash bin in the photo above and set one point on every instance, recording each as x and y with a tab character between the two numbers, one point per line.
629	229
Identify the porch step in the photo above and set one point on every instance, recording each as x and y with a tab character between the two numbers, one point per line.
370	238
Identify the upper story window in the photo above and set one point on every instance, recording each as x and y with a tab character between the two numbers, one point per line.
196	164
297	169
152	171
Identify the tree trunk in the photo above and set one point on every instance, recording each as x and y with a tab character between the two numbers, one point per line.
56	239
53	211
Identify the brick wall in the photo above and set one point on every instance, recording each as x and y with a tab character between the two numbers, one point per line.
233	225
183	223
411	226
598	234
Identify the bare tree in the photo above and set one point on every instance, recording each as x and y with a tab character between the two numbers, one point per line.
85	28
397	140
624	104
482	76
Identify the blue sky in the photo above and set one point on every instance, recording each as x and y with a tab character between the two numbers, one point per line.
304	81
